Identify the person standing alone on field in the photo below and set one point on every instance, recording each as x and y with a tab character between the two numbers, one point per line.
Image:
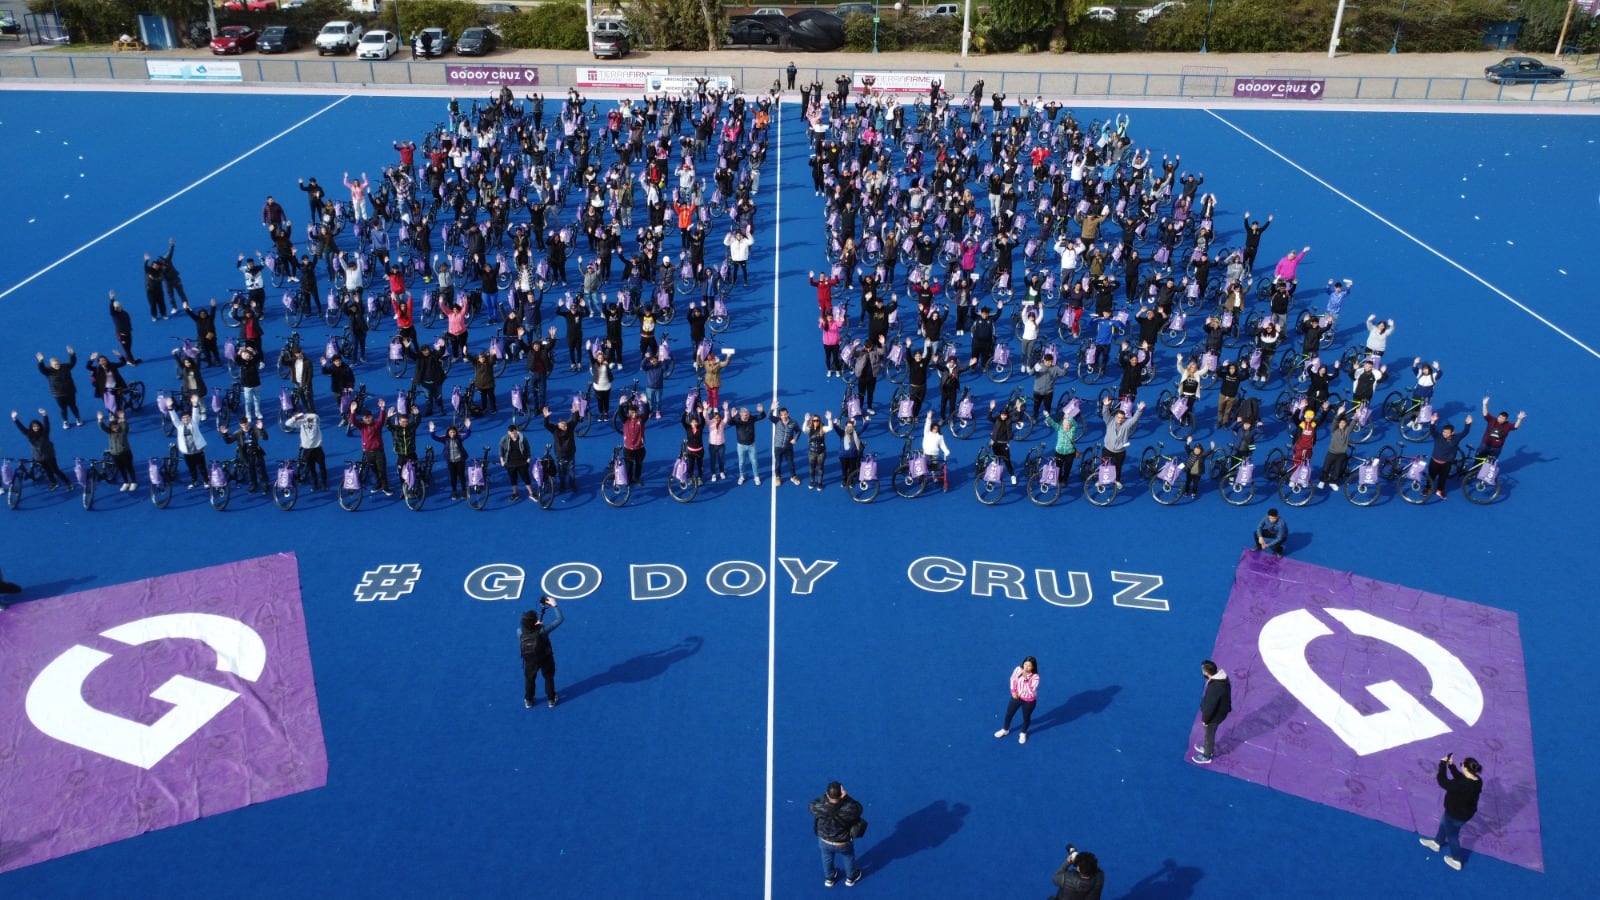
533	638
1215	704
1024	696
1462	787
838	824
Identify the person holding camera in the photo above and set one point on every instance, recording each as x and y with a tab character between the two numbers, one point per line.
838	825
1462	787
533	638
1080	877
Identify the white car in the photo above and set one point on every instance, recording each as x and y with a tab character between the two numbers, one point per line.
770	11
1101	14
378	45
942	10
1145	15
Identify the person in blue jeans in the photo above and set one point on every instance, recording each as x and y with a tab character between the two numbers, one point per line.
838	824
1271	533
1462	787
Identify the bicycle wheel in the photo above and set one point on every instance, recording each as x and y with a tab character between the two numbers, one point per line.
1149	462
898	425
220	495
862	491
1360	434
1021	425
545	490
285	497
1414	429
1166	492
613	493
1296	495
89	482
1479	491
963	428
1362	494
988	492
1277	464
1042	494
1090	374
1181	428
583	425
1394	406
478	497
718	324
1413	490
905	485
415	495
996	372
161	494
14	491
1235	494
350	498
682	490
1097	493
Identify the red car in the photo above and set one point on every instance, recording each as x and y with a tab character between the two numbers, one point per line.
251	5
234	39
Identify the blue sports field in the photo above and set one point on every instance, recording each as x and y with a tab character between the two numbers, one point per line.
864	643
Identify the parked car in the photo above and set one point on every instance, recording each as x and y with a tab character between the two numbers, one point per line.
942	10
750	31
1101	14
609	44
438	43
495	9
1145	15
278	39
778	24
770	11
476	42
234	39
1518	69
338	37
9	24
855	9
261	5
378	44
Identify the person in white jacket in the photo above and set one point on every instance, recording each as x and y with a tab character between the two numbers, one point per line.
191	442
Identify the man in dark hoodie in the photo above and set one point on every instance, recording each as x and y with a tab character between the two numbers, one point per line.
1462	788
533	640
1215	704
1080	877
838	824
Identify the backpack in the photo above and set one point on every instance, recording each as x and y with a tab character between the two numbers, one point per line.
530	643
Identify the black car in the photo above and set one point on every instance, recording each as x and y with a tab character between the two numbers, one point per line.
610	44
751	31
476	42
1517	69
278	39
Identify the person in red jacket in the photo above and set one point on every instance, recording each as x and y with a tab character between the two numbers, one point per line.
824	288
633	446
372	453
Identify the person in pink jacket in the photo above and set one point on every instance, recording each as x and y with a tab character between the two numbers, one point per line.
1024	696
831	359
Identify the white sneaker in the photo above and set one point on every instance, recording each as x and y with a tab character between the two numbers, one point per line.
1429	843
1321	485
1013	479
758	481
1002	733
1336	485
1453	863
741	479
1022	738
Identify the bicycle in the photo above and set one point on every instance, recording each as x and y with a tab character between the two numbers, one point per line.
989	482
1413	414
353	484
163	474
1295	486
89	473
1173	409
478	481
999	368
616	488
1236	478
1043	475
287	480
914	473
1021	422
1480	476
965	420
545	470
1165	473
415	476
1363	481
1099	475
864	487
220	475
681	486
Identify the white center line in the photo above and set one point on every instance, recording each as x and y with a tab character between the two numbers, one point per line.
1409	236
203	179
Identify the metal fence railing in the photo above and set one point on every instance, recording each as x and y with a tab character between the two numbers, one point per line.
1192	83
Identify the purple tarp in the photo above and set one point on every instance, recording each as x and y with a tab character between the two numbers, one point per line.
149	704
1348	691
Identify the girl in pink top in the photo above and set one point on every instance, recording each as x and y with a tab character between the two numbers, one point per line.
456	326
358	197
830	345
1024	696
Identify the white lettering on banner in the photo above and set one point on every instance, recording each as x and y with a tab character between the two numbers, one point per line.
496	581
676	83
939	574
622	78
56	706
897	82
1283	642
192	70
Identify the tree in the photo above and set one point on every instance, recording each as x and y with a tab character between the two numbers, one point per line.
678	24
1040	19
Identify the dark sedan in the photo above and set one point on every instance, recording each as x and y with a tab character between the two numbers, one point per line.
1519	69
278	39
476	42
234	39
751	31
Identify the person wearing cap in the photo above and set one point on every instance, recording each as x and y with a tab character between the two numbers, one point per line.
838	824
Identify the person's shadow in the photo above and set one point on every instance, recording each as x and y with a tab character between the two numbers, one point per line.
1170	882
924	829
45	589
1079	705
643	667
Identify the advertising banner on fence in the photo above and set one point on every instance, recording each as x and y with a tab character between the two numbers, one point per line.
192	70
897	82
526	76
675	83
1279	88
608	78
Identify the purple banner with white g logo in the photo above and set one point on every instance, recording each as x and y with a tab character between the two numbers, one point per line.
526	76
1348	691
1279	88
149	704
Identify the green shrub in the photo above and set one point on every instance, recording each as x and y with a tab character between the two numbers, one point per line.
903	31
549	26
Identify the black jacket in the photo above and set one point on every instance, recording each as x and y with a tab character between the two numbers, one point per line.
834	820
1217	701
1460	792
1074	885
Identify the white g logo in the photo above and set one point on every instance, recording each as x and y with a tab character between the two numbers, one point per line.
1283	643
56	706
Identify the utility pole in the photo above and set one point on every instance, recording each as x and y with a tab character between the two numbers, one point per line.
1561	42
1338	20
